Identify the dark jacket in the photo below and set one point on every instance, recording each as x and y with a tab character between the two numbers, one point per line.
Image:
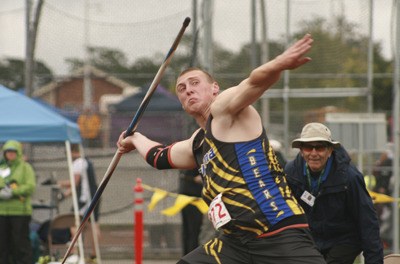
343	212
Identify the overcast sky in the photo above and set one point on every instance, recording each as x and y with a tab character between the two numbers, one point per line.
142	28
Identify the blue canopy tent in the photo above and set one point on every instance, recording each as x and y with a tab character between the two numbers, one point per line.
26	120
70	115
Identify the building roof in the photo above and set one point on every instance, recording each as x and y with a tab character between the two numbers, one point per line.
161	100
80	74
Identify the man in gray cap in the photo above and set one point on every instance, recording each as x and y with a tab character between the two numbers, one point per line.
340	212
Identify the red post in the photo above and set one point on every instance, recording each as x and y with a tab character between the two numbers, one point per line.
138	211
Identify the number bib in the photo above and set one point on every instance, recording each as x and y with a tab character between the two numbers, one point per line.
217	212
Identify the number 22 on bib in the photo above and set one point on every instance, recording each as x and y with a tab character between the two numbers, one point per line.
217	213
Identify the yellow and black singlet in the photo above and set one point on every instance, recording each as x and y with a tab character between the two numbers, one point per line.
253	185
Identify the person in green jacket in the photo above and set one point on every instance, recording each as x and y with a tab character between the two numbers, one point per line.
17	184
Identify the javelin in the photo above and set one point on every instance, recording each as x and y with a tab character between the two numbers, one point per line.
131	129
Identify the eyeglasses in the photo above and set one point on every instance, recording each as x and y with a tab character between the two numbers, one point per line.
318	148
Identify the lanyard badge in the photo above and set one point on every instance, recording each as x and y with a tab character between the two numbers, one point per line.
308	198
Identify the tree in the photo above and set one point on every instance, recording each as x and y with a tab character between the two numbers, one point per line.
106	59
142	71
382	87
340	56
12	73
339	60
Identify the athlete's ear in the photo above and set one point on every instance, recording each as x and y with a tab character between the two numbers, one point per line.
215	88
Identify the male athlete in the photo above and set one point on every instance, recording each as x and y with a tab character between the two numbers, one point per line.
249	200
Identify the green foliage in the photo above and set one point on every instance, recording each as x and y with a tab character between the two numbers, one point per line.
339	60
106	59
12	73
340	57
382	87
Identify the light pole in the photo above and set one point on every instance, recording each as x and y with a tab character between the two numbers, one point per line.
31	32
87	86
396	139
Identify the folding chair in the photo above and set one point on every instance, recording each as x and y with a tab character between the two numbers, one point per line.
59	234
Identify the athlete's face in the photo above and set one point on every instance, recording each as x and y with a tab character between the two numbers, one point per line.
195	91
316	154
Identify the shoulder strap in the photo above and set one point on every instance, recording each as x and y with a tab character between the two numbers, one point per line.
197	146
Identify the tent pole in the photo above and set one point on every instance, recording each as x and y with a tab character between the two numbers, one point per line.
74	199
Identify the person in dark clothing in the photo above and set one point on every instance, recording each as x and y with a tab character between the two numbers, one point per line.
85	181
332	191
190	184
85	185
383	172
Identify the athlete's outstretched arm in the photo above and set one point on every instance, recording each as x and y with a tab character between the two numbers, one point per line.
177	155
235	99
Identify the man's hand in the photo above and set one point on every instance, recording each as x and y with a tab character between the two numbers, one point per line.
125	145
293	57
5	193
264	76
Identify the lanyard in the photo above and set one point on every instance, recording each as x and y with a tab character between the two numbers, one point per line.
312	183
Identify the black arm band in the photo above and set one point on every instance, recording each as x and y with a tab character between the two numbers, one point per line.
159	157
